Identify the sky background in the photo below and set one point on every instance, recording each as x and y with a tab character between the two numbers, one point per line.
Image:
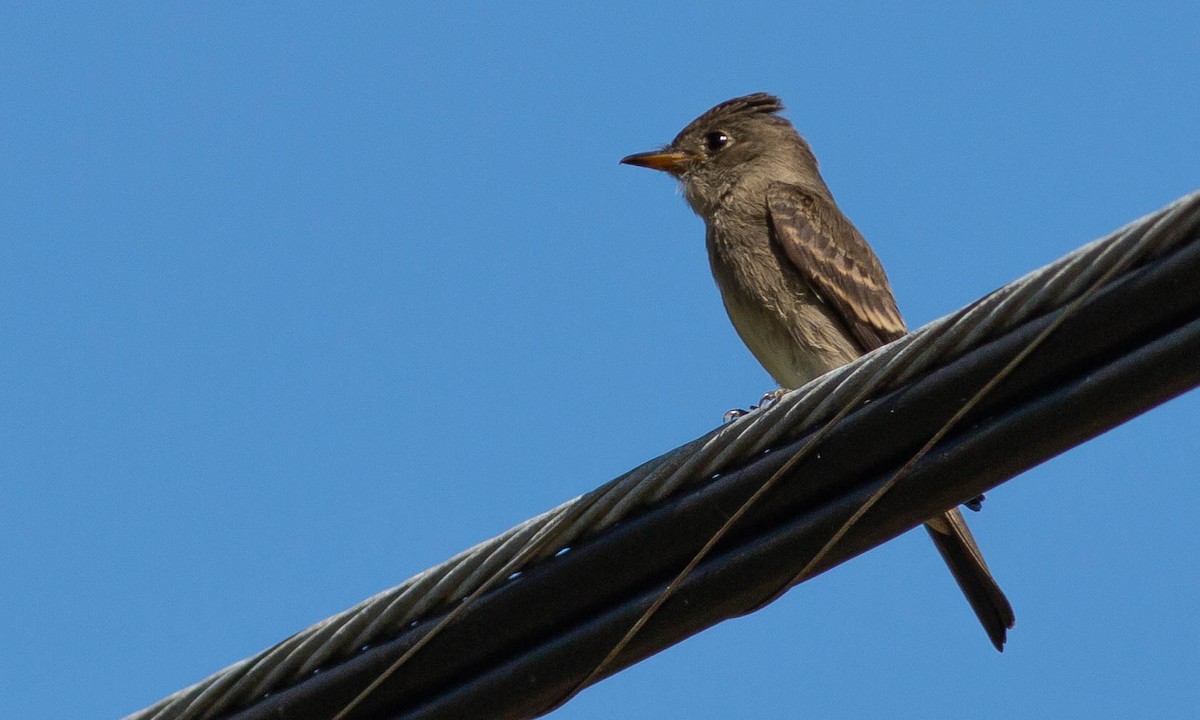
296	302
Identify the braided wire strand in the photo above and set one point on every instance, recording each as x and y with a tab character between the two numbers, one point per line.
432	591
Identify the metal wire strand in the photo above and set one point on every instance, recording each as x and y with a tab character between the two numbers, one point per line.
490	563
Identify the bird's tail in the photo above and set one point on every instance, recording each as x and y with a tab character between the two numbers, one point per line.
957	546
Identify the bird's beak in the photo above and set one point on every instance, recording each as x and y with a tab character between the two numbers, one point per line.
670	161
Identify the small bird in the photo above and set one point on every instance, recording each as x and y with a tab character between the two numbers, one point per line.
803	288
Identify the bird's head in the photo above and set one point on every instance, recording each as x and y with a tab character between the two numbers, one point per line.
740	139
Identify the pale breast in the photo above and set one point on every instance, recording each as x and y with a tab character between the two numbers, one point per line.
784	324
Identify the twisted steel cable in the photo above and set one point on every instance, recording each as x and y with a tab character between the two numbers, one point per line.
496	561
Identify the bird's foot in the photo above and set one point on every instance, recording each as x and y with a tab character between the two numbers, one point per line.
975	504
734	414
764	402
771	398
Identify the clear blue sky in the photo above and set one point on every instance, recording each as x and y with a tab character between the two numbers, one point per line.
298	302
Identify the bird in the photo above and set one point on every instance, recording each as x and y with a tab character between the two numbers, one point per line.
802	287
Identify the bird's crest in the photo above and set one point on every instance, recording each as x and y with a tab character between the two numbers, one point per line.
748	105
745	105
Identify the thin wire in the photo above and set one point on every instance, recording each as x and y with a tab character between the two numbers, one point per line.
937	437
711	542
542	538
468	574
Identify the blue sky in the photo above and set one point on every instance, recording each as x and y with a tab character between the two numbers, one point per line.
297	302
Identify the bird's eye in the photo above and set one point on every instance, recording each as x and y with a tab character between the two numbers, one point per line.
714	141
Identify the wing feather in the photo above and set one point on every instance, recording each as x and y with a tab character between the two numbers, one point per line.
837	263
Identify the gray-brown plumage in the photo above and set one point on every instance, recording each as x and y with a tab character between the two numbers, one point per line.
802	287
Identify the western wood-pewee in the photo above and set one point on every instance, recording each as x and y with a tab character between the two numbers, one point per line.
804	290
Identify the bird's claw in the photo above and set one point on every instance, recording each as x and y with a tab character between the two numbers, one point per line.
764	402
975	504
771	398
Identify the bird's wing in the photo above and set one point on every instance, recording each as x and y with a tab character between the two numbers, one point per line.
837	263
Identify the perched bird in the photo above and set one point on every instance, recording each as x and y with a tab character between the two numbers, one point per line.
803	288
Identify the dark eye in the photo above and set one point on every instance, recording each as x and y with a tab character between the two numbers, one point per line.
714	141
